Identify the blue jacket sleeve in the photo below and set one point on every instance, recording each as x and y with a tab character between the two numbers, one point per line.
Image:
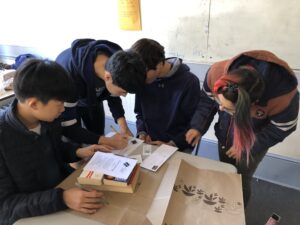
15	205
188	106
116	107
280	126
205	111
72	128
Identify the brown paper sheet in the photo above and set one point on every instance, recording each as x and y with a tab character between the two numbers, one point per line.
205	197
124	208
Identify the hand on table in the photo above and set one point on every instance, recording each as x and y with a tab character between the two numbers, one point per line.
83	201
89	151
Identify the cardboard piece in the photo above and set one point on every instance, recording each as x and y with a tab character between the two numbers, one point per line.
90	180
204	197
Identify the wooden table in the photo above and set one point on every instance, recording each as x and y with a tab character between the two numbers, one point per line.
67	218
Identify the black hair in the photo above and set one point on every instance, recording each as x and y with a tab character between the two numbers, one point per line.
103	52
127	70
43	79
250	81
248	89
151	52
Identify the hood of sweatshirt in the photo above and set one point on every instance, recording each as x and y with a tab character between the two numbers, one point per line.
177	67
84	53
9	116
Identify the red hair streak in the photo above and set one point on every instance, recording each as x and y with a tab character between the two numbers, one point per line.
224	81
219	84
243	139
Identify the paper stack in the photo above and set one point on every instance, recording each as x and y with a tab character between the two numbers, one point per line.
108	172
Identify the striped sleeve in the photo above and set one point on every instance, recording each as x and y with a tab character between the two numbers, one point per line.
280	126
72	128
68	117
286	126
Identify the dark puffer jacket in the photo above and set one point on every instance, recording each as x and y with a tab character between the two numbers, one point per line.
31	165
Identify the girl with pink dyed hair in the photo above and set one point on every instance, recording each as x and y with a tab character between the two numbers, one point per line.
256	97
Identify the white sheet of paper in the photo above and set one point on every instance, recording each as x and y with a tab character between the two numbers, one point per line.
147	150
138	157
133	144
110	164
155	161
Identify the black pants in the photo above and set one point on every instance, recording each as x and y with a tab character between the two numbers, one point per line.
245	170
93	118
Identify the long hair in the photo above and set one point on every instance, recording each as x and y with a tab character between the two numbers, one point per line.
242	86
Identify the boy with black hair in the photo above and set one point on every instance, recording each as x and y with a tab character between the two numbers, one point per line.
167	103
101	71
33	159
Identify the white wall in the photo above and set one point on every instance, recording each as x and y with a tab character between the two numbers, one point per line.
51	26
197	30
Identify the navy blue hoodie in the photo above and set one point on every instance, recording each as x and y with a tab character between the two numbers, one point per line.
166	106
79	63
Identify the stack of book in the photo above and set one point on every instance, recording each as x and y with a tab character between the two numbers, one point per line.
105	179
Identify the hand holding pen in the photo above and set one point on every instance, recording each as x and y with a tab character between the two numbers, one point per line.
127	133
117	141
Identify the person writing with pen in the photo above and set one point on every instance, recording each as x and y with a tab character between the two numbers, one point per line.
101	71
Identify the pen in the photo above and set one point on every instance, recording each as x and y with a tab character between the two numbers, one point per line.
113	129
